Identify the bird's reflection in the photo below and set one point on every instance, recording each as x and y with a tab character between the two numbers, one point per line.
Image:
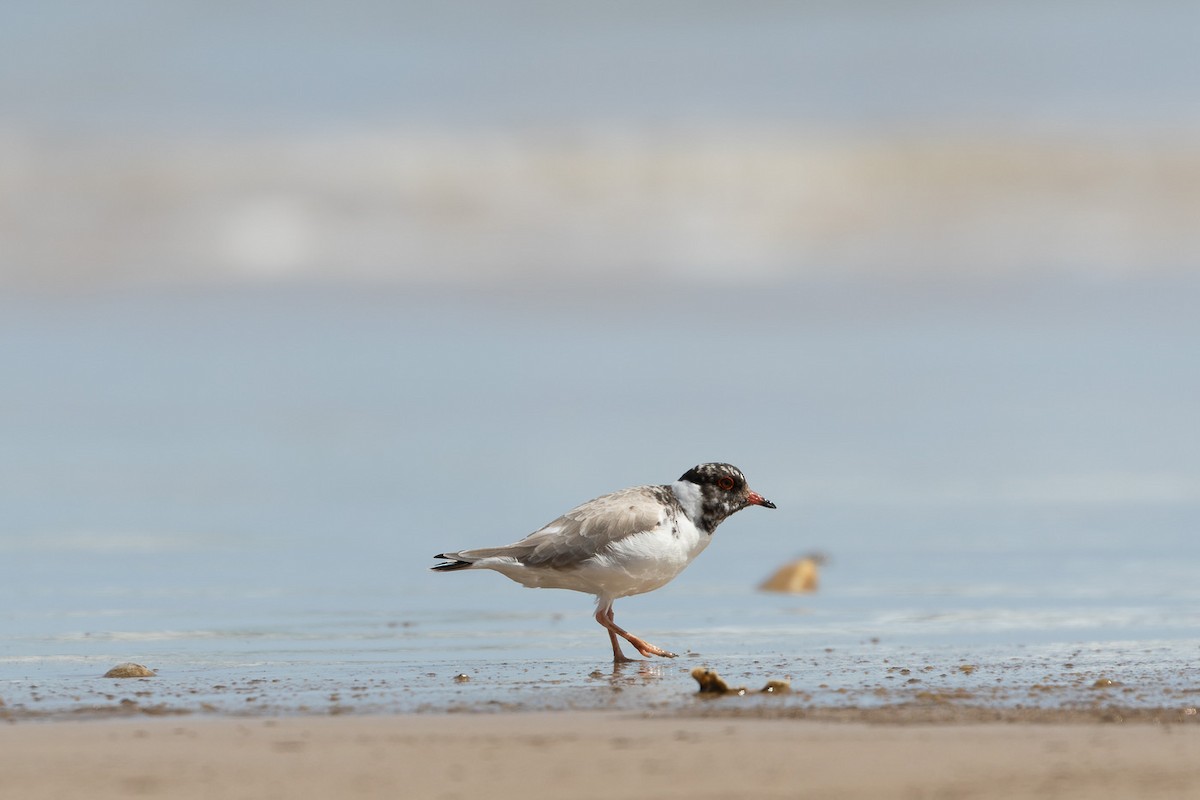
633	673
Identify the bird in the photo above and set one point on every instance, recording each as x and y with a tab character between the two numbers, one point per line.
620	544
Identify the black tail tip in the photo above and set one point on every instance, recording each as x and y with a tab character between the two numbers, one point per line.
449	566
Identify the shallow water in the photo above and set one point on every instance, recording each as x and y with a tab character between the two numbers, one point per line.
243	490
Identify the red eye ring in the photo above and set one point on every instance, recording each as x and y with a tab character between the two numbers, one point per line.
725	483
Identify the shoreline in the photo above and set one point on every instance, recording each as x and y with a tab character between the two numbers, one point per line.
593	754
894	687
935	712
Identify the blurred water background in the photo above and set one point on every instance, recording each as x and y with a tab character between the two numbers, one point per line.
296	295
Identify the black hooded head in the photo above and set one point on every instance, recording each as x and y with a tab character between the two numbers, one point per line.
723	491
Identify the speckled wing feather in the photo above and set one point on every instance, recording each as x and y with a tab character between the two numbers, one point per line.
586	530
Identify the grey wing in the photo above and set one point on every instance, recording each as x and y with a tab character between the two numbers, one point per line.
582	532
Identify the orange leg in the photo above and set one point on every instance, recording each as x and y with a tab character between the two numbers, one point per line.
618	656
604	615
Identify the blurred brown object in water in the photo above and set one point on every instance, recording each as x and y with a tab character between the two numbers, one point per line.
796	577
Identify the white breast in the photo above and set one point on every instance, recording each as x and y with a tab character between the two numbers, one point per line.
645	561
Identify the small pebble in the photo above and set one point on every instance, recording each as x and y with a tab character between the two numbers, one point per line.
129	670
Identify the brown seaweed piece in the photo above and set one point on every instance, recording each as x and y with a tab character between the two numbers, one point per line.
712	683
796	577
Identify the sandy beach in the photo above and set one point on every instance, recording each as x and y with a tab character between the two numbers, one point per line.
593	754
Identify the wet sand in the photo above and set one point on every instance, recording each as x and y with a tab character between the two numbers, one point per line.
593	754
